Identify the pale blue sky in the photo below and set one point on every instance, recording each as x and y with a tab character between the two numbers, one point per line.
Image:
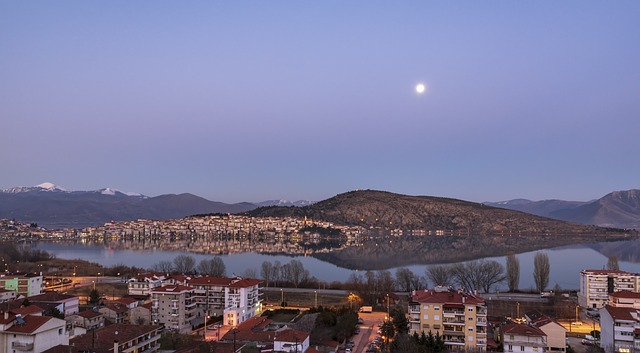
248	101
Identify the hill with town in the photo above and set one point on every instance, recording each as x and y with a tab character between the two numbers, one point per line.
385	210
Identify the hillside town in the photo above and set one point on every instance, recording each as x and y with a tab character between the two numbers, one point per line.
229	314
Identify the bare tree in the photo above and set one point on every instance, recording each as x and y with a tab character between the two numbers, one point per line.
541	269
612	263
249	273
478	275
163	266
405	279
385	283
295	273
266	271
277	272
212	267
439	275
513	272
491	273
184	264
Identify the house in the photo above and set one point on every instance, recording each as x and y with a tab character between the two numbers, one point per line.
556	333
66	304
459	317
120	338
115	312
31	333
523	338
7	295
289	340
141	285
87	319
141	314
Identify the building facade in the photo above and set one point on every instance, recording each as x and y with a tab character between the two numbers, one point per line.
523	338
596	285
32	333
459	317
26	285
173	307
619	329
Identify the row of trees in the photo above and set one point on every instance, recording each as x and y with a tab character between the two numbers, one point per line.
292	273
478	275
187	264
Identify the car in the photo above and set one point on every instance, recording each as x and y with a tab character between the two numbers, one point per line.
347	350
588	342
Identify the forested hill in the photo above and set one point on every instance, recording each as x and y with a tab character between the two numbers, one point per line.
380	209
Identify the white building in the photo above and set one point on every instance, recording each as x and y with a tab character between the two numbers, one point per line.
236	299
291	341
31	333
596	285
619	329
523	338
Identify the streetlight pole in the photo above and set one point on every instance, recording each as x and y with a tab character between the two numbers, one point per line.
316	299
281	298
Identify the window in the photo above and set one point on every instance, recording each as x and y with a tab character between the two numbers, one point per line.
470	309
436	317
510	348
436	307
426	317
470	329
470	319
59	331
425	307
470	338
521	348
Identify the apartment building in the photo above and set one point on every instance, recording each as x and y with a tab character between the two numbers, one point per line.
119	338
619	329
142	285
459	317
26	285
173	307
625	299
596	285
235	299
523	338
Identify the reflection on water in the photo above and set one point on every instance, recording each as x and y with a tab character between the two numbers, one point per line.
566	262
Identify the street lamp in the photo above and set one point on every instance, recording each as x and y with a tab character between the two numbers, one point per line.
281	298
316	298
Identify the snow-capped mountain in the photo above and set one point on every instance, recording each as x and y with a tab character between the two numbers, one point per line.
40	187
299	203
51	187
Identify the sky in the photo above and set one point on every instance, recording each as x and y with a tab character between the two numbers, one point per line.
256	100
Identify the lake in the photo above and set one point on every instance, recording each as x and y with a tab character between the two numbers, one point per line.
566	262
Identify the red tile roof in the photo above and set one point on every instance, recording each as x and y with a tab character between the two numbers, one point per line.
88	314
104	337
27	310
172	288
625	294
291	335
450	297
618	313
521	329
126	300
216	281
31	324
244	283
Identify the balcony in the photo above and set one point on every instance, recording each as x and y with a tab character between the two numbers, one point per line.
22	346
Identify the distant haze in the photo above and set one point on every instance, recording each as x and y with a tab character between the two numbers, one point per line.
256	101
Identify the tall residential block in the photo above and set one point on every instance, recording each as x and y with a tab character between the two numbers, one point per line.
459	317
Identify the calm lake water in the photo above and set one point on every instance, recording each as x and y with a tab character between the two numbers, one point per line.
566	262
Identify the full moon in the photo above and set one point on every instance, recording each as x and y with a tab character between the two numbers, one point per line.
420	88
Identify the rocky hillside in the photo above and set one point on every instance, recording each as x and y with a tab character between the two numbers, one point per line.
617	209
379	209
